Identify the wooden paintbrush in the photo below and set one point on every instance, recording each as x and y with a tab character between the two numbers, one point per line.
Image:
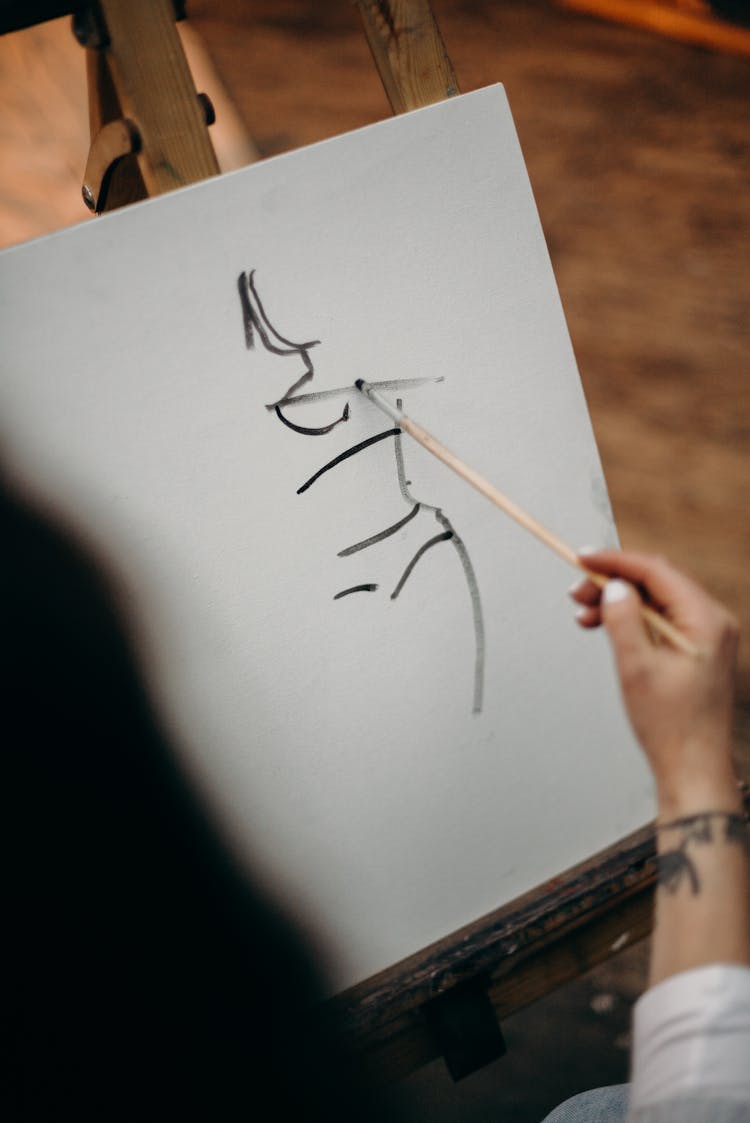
652	618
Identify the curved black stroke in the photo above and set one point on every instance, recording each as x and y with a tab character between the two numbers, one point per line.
444	537
368	588
345	456
248	315
380	535
312	432
289	395
259	320
476	610
471	579
269	325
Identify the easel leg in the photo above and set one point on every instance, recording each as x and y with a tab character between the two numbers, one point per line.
138	72
408	51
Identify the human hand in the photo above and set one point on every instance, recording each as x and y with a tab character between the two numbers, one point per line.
680	706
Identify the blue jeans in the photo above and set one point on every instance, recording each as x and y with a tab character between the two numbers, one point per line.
602	1105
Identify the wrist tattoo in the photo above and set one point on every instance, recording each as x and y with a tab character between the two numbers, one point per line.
676	866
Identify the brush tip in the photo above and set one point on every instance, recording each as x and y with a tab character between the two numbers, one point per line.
360	383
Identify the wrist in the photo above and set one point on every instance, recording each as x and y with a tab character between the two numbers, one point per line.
678	799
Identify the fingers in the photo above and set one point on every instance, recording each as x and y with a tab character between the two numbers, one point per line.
588	595
621	614
702	620
589	617
618	606
666	586
585	592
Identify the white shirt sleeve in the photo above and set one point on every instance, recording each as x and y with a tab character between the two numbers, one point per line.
691	1036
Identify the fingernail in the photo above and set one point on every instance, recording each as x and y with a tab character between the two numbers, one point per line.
581	614
615	591
577	586
584	551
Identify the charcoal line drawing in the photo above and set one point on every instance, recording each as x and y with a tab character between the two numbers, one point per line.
254	317
389	530
293	399
366	588
444	537
345	456
471	579
257	323
311	432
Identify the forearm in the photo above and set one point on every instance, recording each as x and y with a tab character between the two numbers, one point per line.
703	892
692	1027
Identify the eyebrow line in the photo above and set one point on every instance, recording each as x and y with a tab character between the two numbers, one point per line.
318	395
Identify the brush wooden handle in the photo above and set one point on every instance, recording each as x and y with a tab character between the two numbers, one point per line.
654	620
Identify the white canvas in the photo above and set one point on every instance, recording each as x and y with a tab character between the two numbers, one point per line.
336	739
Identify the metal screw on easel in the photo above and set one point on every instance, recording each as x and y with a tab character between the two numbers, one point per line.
206	105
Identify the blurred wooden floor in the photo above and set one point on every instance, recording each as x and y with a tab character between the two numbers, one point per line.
637	149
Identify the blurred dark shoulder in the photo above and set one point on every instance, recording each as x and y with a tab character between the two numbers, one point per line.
149	979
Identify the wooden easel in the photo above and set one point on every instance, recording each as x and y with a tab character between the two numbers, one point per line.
149	126
150	135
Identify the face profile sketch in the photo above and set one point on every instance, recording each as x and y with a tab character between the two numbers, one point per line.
258	326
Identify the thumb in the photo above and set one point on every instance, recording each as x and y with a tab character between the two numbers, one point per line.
621	613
